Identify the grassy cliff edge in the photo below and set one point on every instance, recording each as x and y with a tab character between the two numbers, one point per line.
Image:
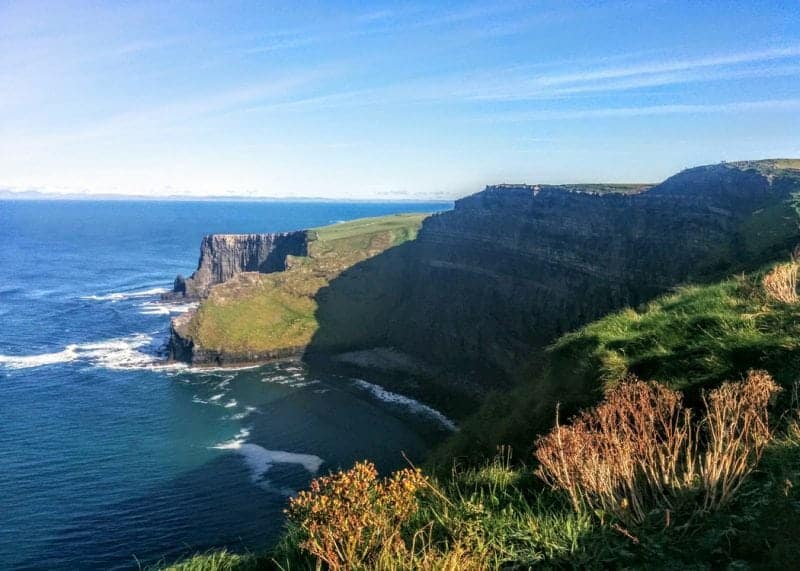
255	317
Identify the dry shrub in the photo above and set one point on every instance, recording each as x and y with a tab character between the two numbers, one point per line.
628	452
781	283
640	447
352	518
737	429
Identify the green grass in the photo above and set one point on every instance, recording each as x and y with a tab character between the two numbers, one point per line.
693	339
603	188
219	561
279	311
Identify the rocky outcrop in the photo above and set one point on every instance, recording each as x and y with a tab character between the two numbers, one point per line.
222	256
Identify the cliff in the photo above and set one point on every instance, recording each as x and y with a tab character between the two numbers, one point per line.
485	286
262	310
222	256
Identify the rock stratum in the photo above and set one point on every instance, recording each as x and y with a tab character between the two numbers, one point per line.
484	286
223	256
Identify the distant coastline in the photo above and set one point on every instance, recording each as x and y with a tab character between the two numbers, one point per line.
36	195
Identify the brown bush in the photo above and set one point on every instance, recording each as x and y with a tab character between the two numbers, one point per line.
781	283
640	448
737	429
351	519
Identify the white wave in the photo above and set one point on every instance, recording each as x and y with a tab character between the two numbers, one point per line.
132	352
259	460
415	406
118	296
209	370
27	361
165	308
234	443
248	410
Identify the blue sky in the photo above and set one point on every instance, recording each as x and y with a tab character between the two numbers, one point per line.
395	100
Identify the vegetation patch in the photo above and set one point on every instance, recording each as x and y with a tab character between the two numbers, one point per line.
254	313
690	341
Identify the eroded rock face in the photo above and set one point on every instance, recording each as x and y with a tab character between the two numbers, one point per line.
514	266
222	256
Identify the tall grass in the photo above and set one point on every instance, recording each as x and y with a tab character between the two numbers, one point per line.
737	430
780	284
641	448
478	518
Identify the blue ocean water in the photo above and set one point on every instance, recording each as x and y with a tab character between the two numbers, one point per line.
110	459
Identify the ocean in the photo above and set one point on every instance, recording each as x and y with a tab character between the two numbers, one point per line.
111	458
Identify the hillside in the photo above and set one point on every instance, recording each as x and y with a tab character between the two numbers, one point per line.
524	264
690	341
259	315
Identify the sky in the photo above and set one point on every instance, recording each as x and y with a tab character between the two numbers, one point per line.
400	100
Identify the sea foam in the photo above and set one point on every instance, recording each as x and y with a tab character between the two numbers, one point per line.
414	406
131	352
118	296
259	460
164	308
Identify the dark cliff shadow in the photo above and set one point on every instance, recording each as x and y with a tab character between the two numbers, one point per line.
487	286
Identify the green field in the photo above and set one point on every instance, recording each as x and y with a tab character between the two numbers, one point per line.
254	313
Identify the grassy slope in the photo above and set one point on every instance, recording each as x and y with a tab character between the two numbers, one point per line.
693	339
257	312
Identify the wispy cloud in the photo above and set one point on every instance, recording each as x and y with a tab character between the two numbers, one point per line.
517	84
524	84
389	23
161	118
767	105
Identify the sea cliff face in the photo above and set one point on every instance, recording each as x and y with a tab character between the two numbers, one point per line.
512	267
222	256
485	286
